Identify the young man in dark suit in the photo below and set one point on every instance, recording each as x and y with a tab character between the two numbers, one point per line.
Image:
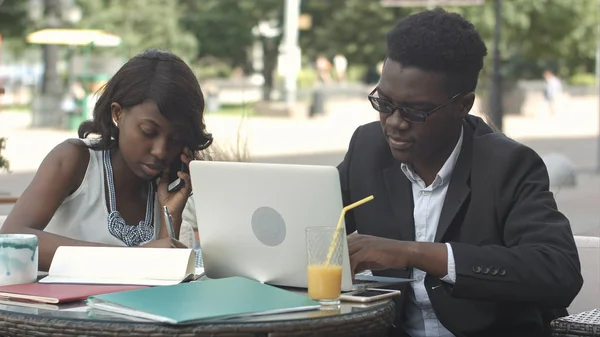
463	210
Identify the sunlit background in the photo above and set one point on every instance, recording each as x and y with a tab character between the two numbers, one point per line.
286	80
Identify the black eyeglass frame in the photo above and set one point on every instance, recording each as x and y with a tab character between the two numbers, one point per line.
409	114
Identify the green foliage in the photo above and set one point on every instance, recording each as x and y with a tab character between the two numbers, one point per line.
14	21
583	79
356	73
211	67
536	35
307	78
241	109
142	24
223	28
355	28
14	25
4	165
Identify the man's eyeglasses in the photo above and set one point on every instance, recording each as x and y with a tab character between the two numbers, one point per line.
409	114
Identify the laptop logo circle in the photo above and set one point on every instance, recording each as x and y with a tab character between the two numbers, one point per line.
268	226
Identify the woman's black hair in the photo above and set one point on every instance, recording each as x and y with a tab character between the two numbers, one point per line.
159	76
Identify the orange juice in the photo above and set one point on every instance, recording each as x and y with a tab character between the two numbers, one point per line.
324	282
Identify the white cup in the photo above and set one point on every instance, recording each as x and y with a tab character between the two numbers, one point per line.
18	258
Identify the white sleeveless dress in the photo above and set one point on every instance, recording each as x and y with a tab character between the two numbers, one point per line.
83	215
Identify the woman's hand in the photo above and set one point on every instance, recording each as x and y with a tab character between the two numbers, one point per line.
175	200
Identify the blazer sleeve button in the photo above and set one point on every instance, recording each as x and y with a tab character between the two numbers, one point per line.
501	272
494	272
476	269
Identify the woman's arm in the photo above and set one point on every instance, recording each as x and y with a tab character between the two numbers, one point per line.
60	174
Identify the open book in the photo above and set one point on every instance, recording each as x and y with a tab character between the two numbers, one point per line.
121	265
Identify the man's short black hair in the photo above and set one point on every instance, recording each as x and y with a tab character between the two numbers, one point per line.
439	41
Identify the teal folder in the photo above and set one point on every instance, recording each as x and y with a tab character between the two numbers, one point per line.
193	302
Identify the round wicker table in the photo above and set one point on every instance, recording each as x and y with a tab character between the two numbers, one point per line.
78	320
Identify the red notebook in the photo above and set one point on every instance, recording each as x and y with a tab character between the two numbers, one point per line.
58	293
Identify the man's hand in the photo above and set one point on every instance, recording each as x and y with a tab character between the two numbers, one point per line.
374	253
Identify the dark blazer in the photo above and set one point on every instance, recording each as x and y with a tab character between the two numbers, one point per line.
516	261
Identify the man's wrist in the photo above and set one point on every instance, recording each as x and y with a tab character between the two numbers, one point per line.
404	255
412	251
431	257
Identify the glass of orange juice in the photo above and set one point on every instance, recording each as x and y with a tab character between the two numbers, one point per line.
324	250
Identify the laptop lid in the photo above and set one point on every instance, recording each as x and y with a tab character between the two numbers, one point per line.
252	218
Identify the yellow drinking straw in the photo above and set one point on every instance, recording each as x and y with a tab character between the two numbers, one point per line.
339	228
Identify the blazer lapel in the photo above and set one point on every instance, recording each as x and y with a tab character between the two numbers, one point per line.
399	190
458	188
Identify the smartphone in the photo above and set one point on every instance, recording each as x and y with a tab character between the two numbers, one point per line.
369	295
175	183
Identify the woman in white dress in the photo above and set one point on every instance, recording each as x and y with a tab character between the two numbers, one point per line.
108	187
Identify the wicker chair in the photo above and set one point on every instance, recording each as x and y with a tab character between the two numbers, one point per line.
588	298
586	323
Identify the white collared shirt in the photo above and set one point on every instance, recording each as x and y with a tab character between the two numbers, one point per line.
420	319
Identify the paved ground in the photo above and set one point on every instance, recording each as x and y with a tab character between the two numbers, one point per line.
323	140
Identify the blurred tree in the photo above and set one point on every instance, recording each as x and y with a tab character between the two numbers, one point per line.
221	27
142	24
224	29
355	28
535	34
14	25
14	21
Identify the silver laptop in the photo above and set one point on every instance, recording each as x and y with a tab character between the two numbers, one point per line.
252	219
